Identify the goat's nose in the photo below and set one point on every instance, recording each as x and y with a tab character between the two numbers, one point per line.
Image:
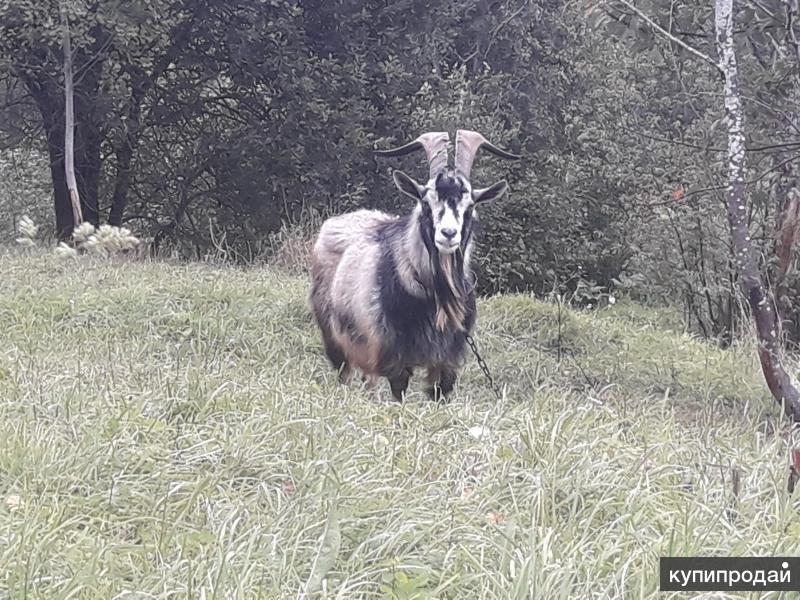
449	233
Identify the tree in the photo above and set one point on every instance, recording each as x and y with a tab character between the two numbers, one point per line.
738	202
69	120
111	46
762	305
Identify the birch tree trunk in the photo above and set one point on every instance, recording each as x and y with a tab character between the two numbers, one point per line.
69	119
781	384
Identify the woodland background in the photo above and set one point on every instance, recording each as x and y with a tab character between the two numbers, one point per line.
208	123
171	428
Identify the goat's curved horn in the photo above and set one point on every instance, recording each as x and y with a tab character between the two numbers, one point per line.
467	145
435	146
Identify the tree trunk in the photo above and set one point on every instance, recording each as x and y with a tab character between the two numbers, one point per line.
89	134
123	181
34	70
50	102
61	201
126	149
781	384
88	164
69	121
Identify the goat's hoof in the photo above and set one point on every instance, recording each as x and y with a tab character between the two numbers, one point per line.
436	395
345	375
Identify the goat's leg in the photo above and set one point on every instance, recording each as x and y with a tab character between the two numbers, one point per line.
399	383
320	306
345	373
338	360
370	381
441	381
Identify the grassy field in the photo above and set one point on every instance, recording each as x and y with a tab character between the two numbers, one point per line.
174	431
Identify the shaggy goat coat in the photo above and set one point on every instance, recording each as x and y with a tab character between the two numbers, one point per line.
387	301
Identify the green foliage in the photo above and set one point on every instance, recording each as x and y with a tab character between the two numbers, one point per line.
269	110
677	128
26	190
215	124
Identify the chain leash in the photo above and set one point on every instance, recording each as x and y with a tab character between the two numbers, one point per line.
484	367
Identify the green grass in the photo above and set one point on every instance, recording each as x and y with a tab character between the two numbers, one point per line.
174	431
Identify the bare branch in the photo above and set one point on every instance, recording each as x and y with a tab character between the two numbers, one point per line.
717	188
658	29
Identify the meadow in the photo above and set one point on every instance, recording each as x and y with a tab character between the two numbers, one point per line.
173	430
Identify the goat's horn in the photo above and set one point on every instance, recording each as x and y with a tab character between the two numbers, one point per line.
435	146
467	145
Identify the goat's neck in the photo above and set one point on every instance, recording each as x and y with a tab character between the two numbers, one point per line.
413	257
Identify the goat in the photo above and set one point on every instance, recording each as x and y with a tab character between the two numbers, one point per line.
391	294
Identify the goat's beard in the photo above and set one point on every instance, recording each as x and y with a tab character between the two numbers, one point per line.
449	289
451	309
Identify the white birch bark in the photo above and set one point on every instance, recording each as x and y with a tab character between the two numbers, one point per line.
69	119
781	384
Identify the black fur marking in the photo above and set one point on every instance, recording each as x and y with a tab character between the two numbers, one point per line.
443	386
450	192
467	228
399	383
334	354
453	204
427	214
448	188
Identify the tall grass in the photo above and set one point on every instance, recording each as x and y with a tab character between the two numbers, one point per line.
174	431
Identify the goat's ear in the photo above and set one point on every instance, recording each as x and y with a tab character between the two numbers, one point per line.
491	193
408	186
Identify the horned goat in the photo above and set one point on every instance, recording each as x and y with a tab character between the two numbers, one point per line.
392	294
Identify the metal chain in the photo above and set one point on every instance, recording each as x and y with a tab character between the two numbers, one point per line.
484	367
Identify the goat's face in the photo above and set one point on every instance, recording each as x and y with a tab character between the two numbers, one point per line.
444	207
447	203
